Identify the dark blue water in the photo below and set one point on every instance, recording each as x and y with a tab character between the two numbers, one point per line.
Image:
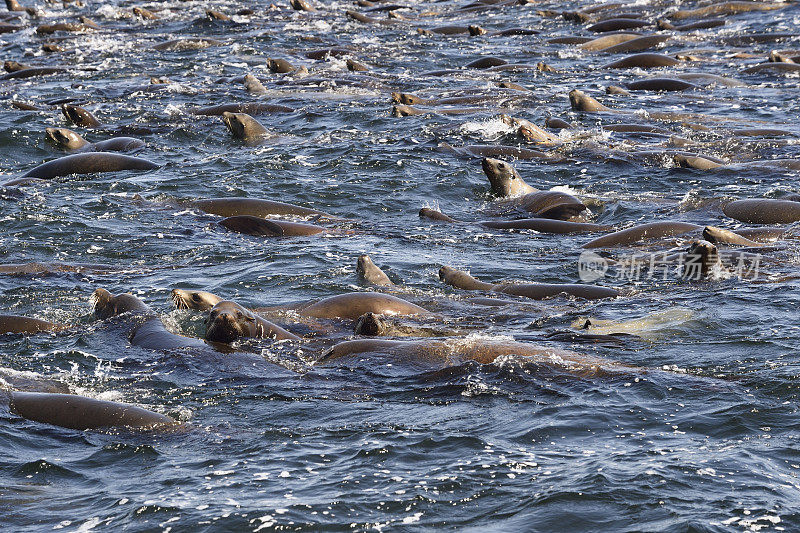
701	434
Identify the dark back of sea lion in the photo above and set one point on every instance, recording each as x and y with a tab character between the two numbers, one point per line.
545	225
257	207
643	61
552	204
635	45
251	108
78	412
653	230
617	24
89	163
250	225
763	211
353	305
432	214
661	84
24	324
79	116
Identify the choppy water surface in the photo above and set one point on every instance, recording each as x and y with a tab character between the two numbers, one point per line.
704	439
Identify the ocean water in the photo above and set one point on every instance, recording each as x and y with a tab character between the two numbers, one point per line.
699	432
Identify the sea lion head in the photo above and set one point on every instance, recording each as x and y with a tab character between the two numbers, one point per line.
197	300
227	321
235	123
370	324
65	138
107	305
402	110
243	126
701	259
504	178
409	99
583	102
475	30
79	116
280	66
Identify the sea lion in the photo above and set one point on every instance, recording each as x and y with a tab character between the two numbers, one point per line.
189	43
412	99
251	108
246	128
144	327
196	300
261	227
637	128
13	5
484	150
530	131
228	321
506	182
144	13
580	101
212	14
457	351
39	269
702	259
26	325
646	60
774	67
653	230
355	66
700	25
301	5
432	214
354	304
617	24
726	8
229	207
86	163
31	72
607	40
545	225
763	211
540	225
660	84
46	29
536	291
635	45
616	89
719	235
360	17
14	66
447	30
280	66
253	86
709	79
67	139
371	273
79	116
486	62
81	413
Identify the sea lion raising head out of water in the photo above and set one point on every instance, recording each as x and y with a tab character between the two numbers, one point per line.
506	182
227	321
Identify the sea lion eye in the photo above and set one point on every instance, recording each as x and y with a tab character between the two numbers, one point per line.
239	315
195	297
500	165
